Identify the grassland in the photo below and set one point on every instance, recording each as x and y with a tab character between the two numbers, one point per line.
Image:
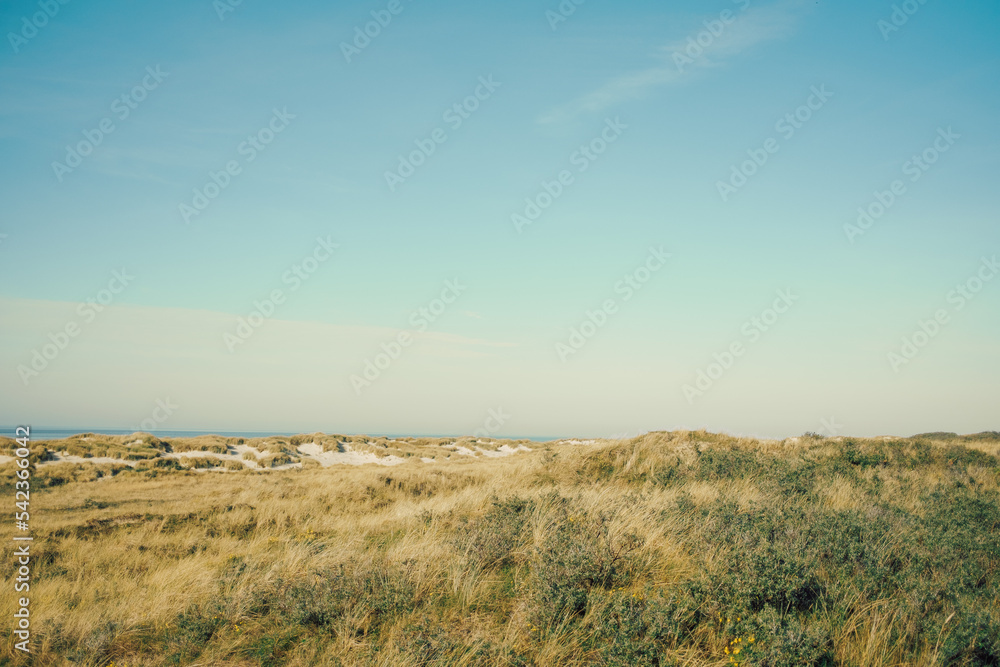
682	548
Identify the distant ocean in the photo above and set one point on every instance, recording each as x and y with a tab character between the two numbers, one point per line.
43	433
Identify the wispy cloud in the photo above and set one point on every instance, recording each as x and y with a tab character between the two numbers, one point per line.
157	328
751	28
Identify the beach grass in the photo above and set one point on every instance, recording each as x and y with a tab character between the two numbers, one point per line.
671	548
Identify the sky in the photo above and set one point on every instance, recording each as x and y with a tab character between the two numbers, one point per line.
511	219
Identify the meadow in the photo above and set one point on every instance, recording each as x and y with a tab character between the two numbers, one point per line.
671	548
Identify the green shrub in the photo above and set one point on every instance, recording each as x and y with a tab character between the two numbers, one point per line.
723	464
862	551
192	629
433	642
865	455
490	540
634	628
974	640
964	456
579	553
768	576
781	640
97	645
325	596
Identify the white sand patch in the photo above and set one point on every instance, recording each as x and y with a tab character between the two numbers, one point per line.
310	450
5	459
503	450
236	454
200	453
243	449
576	442
314	450
346	457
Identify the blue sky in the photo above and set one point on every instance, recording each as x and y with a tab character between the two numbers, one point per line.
826	363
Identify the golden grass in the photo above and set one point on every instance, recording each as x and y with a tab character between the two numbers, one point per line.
132	552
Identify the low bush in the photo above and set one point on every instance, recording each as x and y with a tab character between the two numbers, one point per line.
580	553
491	540
370	593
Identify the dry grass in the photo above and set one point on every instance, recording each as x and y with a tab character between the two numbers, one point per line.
437	563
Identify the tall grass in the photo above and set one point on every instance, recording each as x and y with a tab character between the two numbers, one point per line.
667	549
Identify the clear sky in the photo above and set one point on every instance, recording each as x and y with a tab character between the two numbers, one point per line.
690	175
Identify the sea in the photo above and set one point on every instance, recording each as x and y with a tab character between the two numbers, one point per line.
46	433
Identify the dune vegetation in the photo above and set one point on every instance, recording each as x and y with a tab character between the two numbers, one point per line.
671	548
